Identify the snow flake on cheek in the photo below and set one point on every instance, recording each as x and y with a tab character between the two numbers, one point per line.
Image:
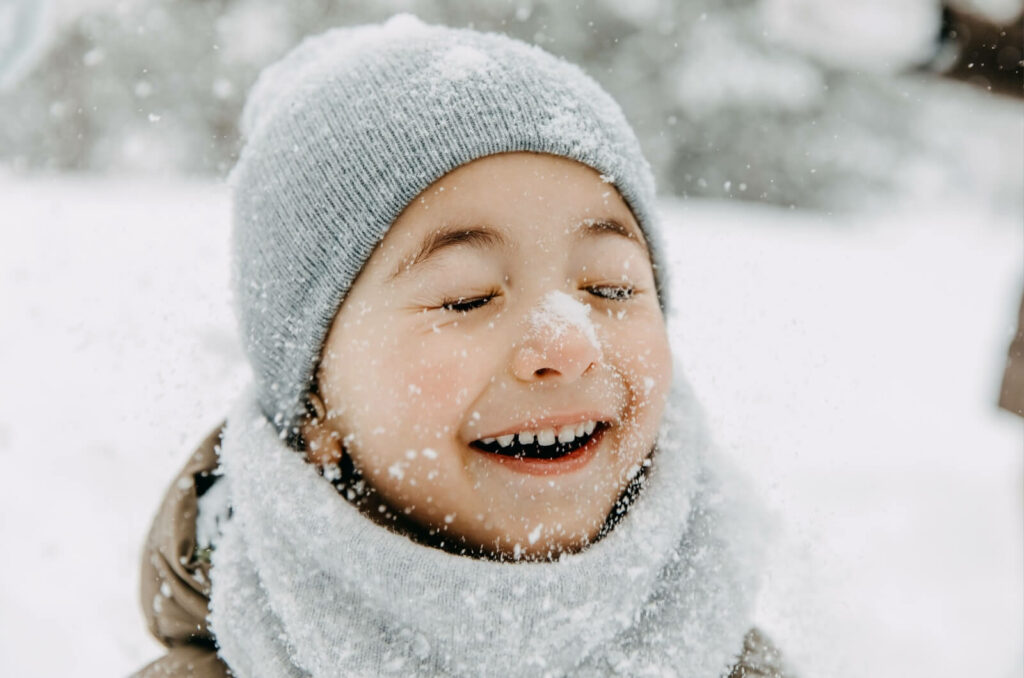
418	462
618	315
434	380
535	534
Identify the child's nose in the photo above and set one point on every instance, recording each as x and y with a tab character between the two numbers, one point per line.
561	355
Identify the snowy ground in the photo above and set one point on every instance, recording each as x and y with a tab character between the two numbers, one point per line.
851	364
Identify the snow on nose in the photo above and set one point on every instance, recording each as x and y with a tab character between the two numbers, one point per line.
558	312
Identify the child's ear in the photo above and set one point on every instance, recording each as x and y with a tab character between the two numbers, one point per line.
323	446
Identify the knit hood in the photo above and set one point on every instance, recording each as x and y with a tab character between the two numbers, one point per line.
347	129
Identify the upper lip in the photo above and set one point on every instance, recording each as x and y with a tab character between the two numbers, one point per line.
550	422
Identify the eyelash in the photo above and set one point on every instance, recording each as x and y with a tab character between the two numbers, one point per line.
463	305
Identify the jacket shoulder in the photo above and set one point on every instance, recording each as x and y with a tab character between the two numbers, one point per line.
760	658
174	582
193	661
1011	395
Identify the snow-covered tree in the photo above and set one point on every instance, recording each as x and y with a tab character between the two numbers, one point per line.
786	101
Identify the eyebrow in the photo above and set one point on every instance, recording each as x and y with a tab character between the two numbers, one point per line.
591	227
479	237
485	237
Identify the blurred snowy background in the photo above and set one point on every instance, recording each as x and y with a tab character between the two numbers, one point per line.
844	187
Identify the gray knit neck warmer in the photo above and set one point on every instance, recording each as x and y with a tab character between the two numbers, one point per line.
353	124
305	585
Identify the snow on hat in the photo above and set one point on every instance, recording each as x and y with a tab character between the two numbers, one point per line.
354	123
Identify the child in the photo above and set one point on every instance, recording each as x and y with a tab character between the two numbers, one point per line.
464	452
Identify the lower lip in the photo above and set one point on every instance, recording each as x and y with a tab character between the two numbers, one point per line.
550	467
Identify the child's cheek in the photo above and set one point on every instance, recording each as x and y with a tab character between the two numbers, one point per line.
442	374
640	352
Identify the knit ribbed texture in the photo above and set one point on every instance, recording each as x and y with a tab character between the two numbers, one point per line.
304	585
353	124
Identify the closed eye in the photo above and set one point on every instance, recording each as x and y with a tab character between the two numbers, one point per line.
612	292
464	305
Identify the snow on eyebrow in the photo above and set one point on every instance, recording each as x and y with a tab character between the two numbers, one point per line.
558	311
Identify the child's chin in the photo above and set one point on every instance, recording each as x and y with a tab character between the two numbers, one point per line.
541	543
551	550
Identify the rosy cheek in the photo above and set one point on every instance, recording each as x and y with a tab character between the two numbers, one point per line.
439	381
641	354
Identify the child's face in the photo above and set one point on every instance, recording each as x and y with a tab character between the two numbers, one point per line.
527	324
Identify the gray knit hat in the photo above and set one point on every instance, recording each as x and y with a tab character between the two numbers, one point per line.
349	127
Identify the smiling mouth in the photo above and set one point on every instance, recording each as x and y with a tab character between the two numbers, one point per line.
519	449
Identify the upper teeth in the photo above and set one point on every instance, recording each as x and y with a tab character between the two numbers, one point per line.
546	436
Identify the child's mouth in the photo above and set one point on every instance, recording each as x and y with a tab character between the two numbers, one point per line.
544	445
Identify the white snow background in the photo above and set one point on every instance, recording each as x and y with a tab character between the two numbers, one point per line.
849	363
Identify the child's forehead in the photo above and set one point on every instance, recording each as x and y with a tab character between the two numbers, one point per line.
513	202
518	191
516	168
612	235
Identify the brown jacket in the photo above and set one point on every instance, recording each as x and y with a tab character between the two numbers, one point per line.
175	587
1011	396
